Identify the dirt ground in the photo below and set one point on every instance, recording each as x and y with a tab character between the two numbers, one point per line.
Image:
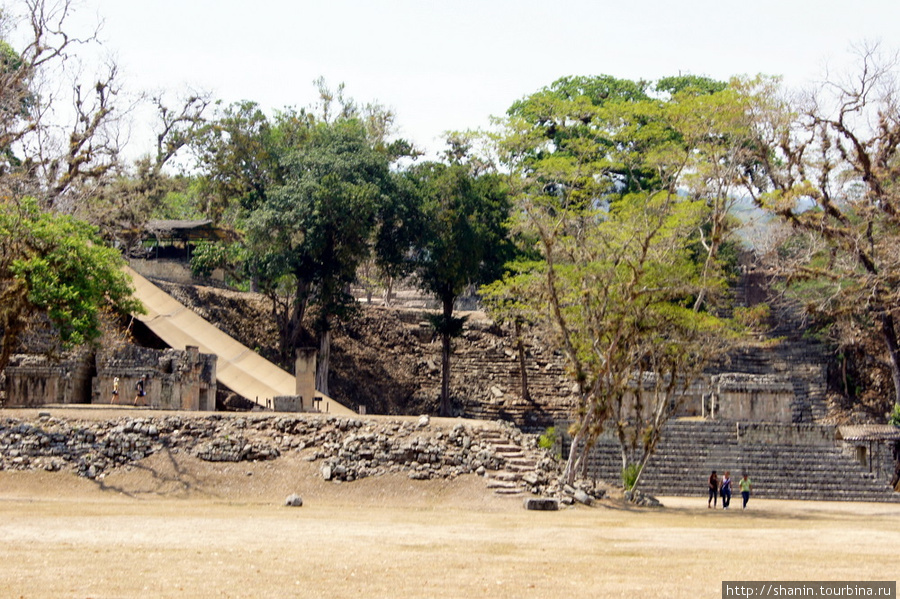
175	526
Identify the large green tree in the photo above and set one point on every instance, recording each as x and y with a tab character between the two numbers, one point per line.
464	242
626	186
56	266
308	235
313	195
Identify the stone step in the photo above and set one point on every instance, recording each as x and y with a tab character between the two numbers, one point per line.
509	491
690	449
504	476
502	484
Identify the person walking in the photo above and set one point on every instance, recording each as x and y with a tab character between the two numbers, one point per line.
713	490
725	490
115	391
140	388
745	489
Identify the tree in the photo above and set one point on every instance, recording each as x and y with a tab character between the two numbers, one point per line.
128	196
832	168
313	196
615	182
55	160
57	266
464	242
240	152
54	269
309	234
507	300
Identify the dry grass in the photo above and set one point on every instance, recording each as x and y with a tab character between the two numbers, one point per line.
178	527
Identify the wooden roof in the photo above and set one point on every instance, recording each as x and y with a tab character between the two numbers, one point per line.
188	230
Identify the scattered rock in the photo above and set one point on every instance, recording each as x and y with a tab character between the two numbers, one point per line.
293	500
641	499
582	497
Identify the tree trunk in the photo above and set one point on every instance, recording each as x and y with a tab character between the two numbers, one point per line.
322	363
445	358
576	455
388	291
890	340
520	345
292	328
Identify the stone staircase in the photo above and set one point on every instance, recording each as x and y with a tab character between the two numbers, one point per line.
495	372
814	468
520	466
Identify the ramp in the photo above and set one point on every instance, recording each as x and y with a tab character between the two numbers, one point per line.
239	368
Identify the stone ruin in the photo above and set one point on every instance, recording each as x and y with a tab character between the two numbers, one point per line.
31	381
176	379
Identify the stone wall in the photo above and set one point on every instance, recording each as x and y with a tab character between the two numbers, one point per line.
38	380
345	449
742	396
176	380
768	433
876	457
784	461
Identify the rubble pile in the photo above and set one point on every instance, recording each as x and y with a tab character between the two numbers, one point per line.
348	448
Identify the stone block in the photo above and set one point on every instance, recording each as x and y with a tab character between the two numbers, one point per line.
287	403
542	504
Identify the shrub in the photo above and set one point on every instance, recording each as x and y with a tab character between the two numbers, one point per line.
548	439
895	415
629	475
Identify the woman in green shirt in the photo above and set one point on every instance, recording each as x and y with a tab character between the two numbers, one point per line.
745	489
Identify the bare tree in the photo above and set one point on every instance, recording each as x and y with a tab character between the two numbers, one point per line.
832	170
52	147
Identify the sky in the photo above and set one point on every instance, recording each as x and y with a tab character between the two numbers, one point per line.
451	65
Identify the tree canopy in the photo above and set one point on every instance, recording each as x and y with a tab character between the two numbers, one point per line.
629	220
56	266
463	241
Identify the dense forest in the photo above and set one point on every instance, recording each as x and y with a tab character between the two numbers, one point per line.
603	210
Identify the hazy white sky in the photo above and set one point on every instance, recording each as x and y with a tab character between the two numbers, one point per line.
452	64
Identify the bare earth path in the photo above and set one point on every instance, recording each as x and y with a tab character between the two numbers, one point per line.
178	527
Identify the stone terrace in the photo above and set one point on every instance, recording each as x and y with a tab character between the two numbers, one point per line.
783	462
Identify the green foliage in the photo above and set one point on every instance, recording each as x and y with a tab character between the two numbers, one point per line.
756	317
512	297
895	415
548	439
627	197
209	256
240	154
183	202
307	233
58	266
690	84
629	475
464	239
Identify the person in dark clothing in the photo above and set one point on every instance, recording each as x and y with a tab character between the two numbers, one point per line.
713	490
140	388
